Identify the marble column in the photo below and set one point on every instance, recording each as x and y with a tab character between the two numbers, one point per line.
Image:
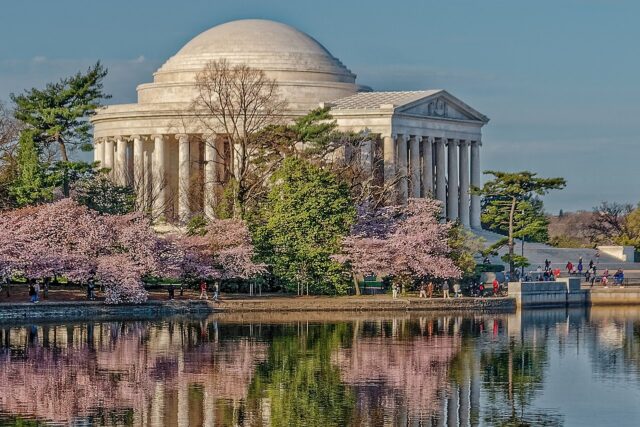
159	178
138	169
210	166
452	179
427	166
441	183
464	183
403	161
389	153
121	163
415	166
98	151
183	177
108	155
475	182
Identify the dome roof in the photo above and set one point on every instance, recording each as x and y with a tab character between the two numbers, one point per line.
305	70
253	35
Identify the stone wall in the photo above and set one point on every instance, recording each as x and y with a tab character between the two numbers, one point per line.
88	310
564	292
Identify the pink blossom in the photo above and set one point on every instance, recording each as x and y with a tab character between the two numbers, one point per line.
401	241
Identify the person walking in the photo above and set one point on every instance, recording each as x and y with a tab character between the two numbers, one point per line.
430	289
569	267
580	266
216	291
203	290
445	289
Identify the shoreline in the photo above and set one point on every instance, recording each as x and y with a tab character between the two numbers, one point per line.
96	310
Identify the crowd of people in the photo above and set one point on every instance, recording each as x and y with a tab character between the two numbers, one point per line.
590	273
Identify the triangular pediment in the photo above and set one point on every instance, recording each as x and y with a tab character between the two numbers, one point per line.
441	105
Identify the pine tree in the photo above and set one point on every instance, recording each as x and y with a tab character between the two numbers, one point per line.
33	184
57	114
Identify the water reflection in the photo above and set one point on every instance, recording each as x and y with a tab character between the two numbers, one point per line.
531	368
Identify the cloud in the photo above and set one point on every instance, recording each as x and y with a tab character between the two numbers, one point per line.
139	60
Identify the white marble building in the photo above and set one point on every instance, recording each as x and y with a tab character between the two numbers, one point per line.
430	138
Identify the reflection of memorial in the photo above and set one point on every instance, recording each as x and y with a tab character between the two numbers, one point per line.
404	378
174	374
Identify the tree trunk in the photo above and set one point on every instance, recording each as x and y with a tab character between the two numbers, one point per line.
511	244
65	172
356	285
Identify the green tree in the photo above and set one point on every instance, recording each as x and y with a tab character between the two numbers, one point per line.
103	195
300	226
502	196
33	183
57	115
464	246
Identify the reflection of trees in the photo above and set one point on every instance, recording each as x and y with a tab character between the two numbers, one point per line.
399	371
514	373
114	372
298	385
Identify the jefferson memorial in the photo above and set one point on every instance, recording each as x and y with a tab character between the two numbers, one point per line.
429	139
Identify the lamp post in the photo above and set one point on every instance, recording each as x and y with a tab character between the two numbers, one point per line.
522	251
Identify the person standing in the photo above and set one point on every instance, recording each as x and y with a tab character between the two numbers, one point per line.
456	290
445	289
394	291
423	290
593	275
605	278
32	292
430	289
496	287
580	266
36	288
203	290
547	265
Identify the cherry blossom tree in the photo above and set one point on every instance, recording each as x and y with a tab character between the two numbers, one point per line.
403	241
224	251
66	239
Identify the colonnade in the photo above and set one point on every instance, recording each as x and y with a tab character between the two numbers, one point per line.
443	167
172	175
176	174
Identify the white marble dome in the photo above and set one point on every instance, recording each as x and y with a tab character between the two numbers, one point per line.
306	72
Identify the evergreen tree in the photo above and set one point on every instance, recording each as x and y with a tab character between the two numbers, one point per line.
33	183
57	114
307	213
509	204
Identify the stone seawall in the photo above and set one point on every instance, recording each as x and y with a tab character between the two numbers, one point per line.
88	310
564	292
368	303
614	296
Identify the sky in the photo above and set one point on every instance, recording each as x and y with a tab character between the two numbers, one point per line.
557	78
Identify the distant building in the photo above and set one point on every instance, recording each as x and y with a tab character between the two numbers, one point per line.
430	137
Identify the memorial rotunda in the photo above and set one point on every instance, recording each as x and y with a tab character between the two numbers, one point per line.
429	138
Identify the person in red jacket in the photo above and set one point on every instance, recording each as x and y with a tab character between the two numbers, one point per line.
496	287
569	267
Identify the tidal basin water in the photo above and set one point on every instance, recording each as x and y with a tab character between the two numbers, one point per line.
549	368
